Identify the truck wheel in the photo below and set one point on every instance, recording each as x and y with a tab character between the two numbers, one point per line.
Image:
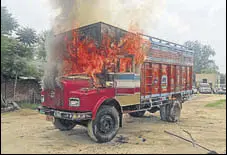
173	111
163	113
63	124
137	114
105	126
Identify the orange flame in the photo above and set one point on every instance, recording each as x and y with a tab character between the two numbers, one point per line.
83	56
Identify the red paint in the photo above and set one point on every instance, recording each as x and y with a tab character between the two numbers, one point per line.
72	88
164	73
137	90
183	78
155	78
97	105
179	78
127	90
172	78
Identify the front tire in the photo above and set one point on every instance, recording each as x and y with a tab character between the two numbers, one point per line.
63	124
105	126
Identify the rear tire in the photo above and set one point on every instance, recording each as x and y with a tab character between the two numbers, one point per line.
63	124
105	126
137	114
174	111
171	112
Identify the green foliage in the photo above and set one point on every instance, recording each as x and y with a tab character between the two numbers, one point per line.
219	103
27	36
16	59
12	62
8	23
202	55
34	69
17	54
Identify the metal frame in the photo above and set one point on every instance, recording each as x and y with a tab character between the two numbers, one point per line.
156	41
168	44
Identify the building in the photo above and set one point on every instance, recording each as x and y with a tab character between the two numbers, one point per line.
212	79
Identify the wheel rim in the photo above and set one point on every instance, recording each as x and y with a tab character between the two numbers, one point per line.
106	124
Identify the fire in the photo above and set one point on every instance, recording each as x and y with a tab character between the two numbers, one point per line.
83	56
133	44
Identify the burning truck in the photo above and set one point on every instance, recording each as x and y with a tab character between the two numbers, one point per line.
107	72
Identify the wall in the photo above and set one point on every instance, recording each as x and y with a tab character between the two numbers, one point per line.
26	90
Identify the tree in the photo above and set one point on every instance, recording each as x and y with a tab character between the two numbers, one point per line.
12	57
202	55
15	58
41	51
8	23
27	36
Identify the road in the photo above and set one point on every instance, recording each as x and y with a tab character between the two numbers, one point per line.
26	131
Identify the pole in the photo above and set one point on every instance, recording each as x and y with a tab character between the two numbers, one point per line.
188	141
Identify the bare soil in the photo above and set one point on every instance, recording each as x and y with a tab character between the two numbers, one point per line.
26	131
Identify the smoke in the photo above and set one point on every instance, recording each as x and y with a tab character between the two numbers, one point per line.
53	67
121	13
70	14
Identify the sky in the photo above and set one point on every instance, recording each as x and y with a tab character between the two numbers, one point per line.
178	21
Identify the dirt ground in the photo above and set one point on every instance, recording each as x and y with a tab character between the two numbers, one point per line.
26	131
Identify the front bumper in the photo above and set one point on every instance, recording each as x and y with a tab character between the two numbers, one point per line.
77	116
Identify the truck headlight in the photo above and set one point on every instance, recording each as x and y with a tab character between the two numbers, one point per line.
74	102
42	98
52	94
